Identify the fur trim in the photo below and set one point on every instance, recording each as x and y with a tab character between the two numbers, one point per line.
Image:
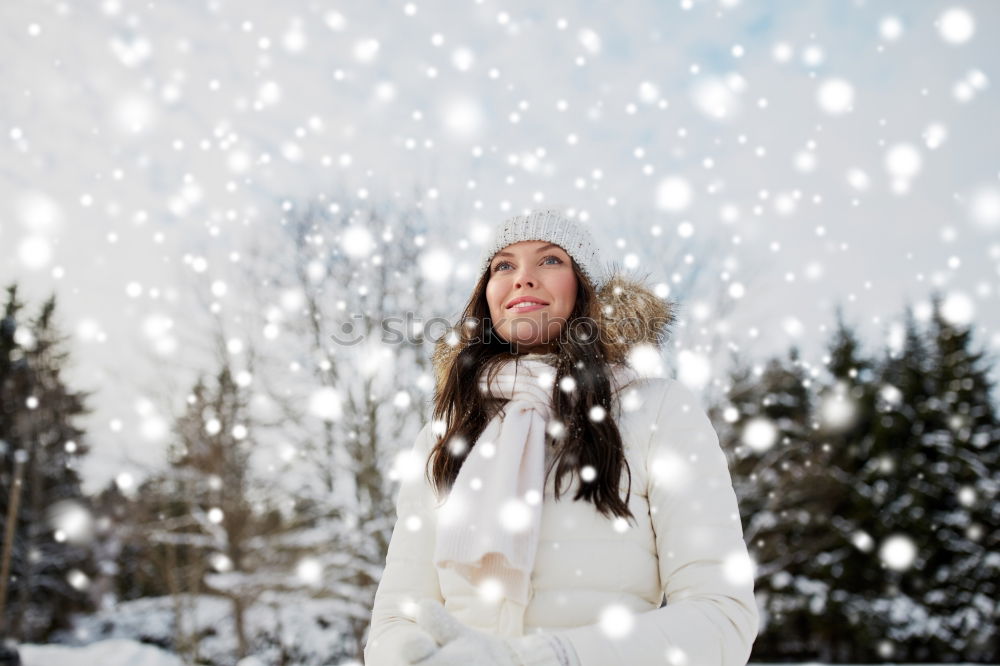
631	314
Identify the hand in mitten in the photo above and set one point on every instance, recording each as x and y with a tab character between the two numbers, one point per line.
417	647
462	645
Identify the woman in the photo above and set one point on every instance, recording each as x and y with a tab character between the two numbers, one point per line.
539	390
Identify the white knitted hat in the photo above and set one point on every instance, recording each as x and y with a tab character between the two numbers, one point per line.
550	225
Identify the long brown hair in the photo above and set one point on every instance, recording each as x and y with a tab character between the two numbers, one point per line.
581	353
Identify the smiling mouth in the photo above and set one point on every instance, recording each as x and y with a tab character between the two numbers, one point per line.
526	305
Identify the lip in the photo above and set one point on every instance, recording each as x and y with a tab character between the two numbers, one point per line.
528	308
522	299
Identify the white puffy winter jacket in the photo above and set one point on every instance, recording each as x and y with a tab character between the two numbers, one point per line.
600	582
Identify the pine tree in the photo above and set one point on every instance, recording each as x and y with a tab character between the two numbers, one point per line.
873	516
51	564
199	512
910	485
845	414
952	513
210	526
770	435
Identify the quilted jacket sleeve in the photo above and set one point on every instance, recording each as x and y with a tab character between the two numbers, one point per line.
711	617
409	573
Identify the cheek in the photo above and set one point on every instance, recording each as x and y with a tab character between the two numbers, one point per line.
493	297
566	290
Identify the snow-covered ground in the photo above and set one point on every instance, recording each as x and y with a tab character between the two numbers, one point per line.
113	652
301	630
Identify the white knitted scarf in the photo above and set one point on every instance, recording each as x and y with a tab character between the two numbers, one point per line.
488	528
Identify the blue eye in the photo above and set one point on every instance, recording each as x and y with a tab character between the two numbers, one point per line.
550	256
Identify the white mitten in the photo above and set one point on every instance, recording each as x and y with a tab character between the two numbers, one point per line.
460	645
465	646
417	647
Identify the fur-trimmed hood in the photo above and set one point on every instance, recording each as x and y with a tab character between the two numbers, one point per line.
631	314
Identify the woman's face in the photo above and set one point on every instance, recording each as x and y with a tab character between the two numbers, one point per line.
542	272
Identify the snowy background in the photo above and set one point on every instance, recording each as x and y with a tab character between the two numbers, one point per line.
803	155
763	163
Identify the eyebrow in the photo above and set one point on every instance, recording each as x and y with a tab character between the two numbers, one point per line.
541	249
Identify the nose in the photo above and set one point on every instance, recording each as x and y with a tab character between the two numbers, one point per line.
525	277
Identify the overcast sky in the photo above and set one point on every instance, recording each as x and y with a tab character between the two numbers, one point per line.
803	154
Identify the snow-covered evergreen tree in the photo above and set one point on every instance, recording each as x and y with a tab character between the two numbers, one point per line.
841	561
50	559
769	417
869	499
937	499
